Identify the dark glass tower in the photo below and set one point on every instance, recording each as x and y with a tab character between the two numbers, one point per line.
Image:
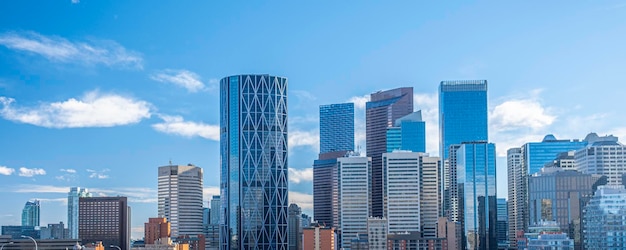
253	139
381	112
462	113
336	127
476	180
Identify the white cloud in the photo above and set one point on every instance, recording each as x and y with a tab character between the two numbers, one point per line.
92	110
180	77
304	138
59	49
300	175
359	101
98	174
6	170
178	126
134	194
41	189
429	105
522	113
303	95
30	172
62	201
208	192
69	170
305	201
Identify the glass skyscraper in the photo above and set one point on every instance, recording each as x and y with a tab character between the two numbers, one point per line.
253	141
30	214
381	112
336	127
476	180
72	209
409	133
462	113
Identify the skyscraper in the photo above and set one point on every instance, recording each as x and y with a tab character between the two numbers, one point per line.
72	209
603	155
336	127
336	140
430	196
155	229
354	197
30	214
604	224
408	133
402	191
295	229
381	112
105	219
462	113
216	202
253	141
502	221
516	194
476	179
180	198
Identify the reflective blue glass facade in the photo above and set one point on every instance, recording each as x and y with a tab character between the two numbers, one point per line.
336	127
462	113
253	145
476	180
537	154
409	133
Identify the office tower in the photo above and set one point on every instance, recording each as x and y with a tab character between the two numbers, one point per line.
253	151
381	112
354	197
452	199
105	219
515	194
476	180
72	209
604	224
462	113
501	223
54	231
402	191
180	198
30	214
555	195
319	237
17	231
216	202
306	221
602	155
430	194
408	133
336	127
155	229
336	140
377	233
206	216
565	160
294	227
449	230
536	155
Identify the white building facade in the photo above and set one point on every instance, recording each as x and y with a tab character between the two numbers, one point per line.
180	198
354	196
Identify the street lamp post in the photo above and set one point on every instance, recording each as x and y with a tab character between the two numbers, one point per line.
114	246
1	247
33	239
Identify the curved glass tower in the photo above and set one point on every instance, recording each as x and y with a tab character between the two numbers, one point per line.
253	140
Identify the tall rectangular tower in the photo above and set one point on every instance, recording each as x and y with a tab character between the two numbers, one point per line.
180	198
402	191
476	180
336	127
462	113
30	214
72	209
105	219
354	197
381	112
253	149
516	194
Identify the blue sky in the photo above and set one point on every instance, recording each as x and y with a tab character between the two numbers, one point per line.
99	94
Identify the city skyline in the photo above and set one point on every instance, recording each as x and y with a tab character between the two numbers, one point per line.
163	81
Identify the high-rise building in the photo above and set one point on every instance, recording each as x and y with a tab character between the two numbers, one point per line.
72	209
306	221
253	141
381	112
30	213
336	140
501	223
462	113
602	155
430	195
604	224
408	133
476	179
155	229
377	233
105	219
354	197
180	198
534	156
295	229
336	127
402	191
215	210
54	231
452	200
555	195
319	237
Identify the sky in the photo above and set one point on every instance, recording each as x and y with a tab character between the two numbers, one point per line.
99	94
